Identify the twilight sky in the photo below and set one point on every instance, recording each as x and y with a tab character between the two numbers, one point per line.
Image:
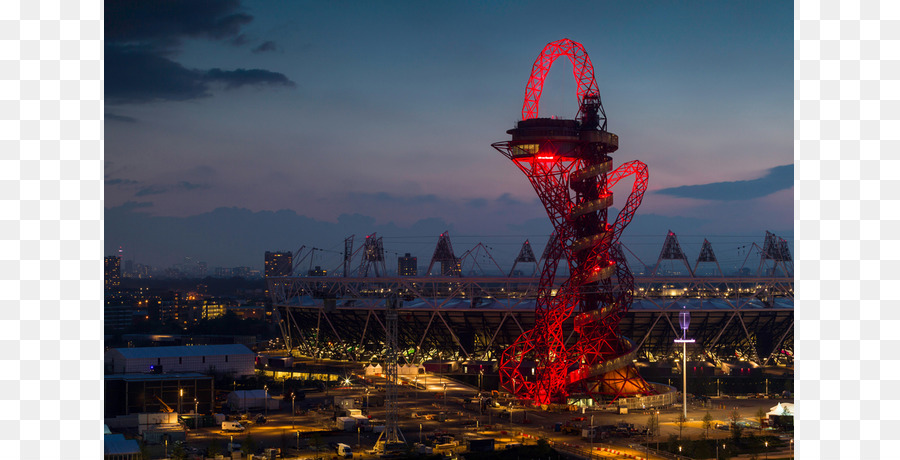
233	127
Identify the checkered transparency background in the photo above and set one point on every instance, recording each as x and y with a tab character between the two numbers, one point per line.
51	210
847	135
847	110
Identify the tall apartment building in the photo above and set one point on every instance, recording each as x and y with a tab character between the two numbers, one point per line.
407	265
112	272
279	263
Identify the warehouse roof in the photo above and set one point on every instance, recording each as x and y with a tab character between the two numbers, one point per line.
116	444
183	351
135	377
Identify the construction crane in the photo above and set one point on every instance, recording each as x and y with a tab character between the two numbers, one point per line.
167	408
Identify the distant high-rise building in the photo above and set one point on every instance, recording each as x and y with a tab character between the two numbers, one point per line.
279	263
407	265
317	272
112	271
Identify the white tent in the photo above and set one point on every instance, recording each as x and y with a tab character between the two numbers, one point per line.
374	370
409	369
781	409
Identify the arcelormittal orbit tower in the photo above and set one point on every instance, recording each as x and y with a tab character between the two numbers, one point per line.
568	162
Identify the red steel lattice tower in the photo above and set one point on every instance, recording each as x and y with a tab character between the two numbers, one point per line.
568	164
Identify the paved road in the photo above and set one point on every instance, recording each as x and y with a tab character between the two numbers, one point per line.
463	420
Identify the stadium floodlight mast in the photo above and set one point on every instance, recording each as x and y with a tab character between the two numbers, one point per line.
684	319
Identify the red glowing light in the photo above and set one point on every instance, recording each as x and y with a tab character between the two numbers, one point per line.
593	365
582	69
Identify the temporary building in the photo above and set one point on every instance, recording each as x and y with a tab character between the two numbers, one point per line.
346	423
244	400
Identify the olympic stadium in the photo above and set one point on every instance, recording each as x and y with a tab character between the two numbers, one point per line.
448	315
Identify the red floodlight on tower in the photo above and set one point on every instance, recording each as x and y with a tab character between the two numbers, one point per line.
568	164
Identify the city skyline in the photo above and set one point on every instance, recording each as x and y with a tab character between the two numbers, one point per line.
233	129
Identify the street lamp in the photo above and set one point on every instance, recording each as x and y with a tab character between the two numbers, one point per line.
684	318
441	366
792	449
591	432
767	450
480	379
266	399
657	430
180	395
293	413
196	405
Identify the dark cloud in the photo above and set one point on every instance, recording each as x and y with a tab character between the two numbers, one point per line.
121	182
266	46
240	40
776	179
143	39
507	200
387	198
239	237
233	237
115	117
190	186
241	77
169	21
130	206
151	190
160	189
138	75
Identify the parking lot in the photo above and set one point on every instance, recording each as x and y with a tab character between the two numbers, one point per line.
448	414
